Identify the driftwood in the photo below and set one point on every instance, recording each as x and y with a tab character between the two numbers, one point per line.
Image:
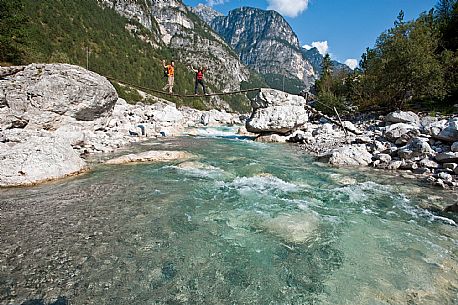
337	122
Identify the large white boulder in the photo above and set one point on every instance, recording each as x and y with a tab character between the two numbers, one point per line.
277	111
44	92
37	160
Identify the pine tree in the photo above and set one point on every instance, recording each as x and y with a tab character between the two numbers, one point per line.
12	31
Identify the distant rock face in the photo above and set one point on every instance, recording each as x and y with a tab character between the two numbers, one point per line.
207	13
40	95
276	111
37	160
191	38
265	42
314	57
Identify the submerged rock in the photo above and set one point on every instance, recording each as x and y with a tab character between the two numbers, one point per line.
38	160
152	156
293	228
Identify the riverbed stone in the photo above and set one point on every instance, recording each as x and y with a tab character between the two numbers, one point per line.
396	131
450	166
152	156
454	147
445	177
350	155
416	147
450	132
403	117
383	158
447	157
271	138
37	160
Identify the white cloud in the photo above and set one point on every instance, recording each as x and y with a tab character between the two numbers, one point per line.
290	8
351	63
215	2
322	46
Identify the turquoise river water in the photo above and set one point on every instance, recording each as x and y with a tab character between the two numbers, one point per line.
244	223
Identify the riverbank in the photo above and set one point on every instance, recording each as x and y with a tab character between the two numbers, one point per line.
424	147
53	115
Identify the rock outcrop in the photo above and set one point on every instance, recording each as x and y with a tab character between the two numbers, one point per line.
276	112
36	160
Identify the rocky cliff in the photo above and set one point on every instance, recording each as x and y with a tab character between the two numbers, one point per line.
192	41
265	42
206	13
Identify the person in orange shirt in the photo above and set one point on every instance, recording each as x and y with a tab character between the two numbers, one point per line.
171	75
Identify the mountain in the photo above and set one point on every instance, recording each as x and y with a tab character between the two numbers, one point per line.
206	13
315	58
191	39
265	42
128	39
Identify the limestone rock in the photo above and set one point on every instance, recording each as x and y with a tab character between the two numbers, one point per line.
396	131
350	155
58	89
447	157
152	156
450	132
454	147
403	117
37	160
417	147
277	111
271	138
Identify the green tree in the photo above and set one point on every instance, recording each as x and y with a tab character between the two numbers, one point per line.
12	31
403	65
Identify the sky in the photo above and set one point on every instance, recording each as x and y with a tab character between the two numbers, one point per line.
343	28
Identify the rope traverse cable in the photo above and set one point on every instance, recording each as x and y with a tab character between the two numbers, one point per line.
185	95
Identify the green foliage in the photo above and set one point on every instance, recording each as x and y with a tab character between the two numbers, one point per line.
127	93
283	83
13	31
403	65
64	31
411	64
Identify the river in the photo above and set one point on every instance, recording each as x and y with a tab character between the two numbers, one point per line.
245	223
